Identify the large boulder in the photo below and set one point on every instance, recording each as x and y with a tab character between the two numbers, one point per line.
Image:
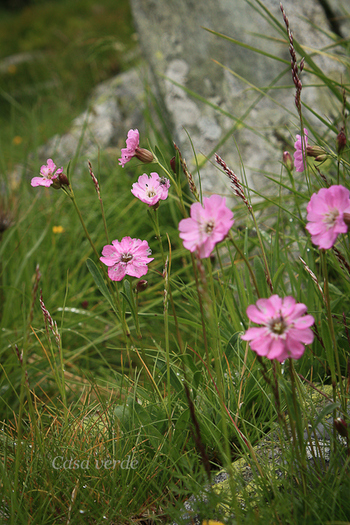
179	51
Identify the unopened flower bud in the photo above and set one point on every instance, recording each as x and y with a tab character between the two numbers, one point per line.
56	184
173	164
288	161
144	155
155	206
346	219
317	152
341	427
141	285
63	179
341	141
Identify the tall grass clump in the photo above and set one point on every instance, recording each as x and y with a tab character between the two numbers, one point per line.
157	342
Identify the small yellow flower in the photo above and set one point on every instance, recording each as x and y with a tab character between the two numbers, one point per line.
17	140
57	229
212	522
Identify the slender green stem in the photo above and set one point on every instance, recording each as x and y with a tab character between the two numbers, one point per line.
299	445
166	269
173	181
72	197
332	332
250	269
69	191
267	271
104	219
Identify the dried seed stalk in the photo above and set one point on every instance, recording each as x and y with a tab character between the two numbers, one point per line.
235	183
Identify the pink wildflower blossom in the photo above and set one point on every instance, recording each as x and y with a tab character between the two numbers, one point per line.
298	154
285	328
325	213
151	189
48	175
132	144
127	257
208	225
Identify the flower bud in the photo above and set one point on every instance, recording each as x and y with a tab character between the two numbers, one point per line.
63	179
173	164
155	206
56	184
288	161
341	141
317	152
144	155
341	427
346	219
321	158
141	285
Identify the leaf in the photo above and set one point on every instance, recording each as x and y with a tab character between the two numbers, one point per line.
101	285
328	409
260	277
277	275
127	294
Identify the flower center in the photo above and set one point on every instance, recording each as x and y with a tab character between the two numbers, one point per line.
278	325
209	227
126	257
331	217
151	193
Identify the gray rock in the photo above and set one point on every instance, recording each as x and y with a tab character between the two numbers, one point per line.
178	49
115	106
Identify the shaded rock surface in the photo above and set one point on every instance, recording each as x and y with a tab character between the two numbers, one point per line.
115	106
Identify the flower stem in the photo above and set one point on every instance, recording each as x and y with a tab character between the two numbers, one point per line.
332	333
69	191
267	271
250	269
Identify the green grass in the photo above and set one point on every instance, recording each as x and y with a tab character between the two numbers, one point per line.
190	393
73	46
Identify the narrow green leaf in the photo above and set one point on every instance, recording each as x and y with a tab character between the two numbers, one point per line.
260	277
324	412
129	299
101	285
277	275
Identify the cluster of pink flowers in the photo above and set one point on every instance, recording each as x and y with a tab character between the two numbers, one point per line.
328	211
285	328
207	225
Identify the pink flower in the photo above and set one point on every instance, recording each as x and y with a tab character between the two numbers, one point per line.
325	213
127	257
208	225
48	175
132	143
151	189
298	154
285	328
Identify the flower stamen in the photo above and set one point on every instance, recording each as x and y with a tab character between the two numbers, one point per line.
126	257
209	227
